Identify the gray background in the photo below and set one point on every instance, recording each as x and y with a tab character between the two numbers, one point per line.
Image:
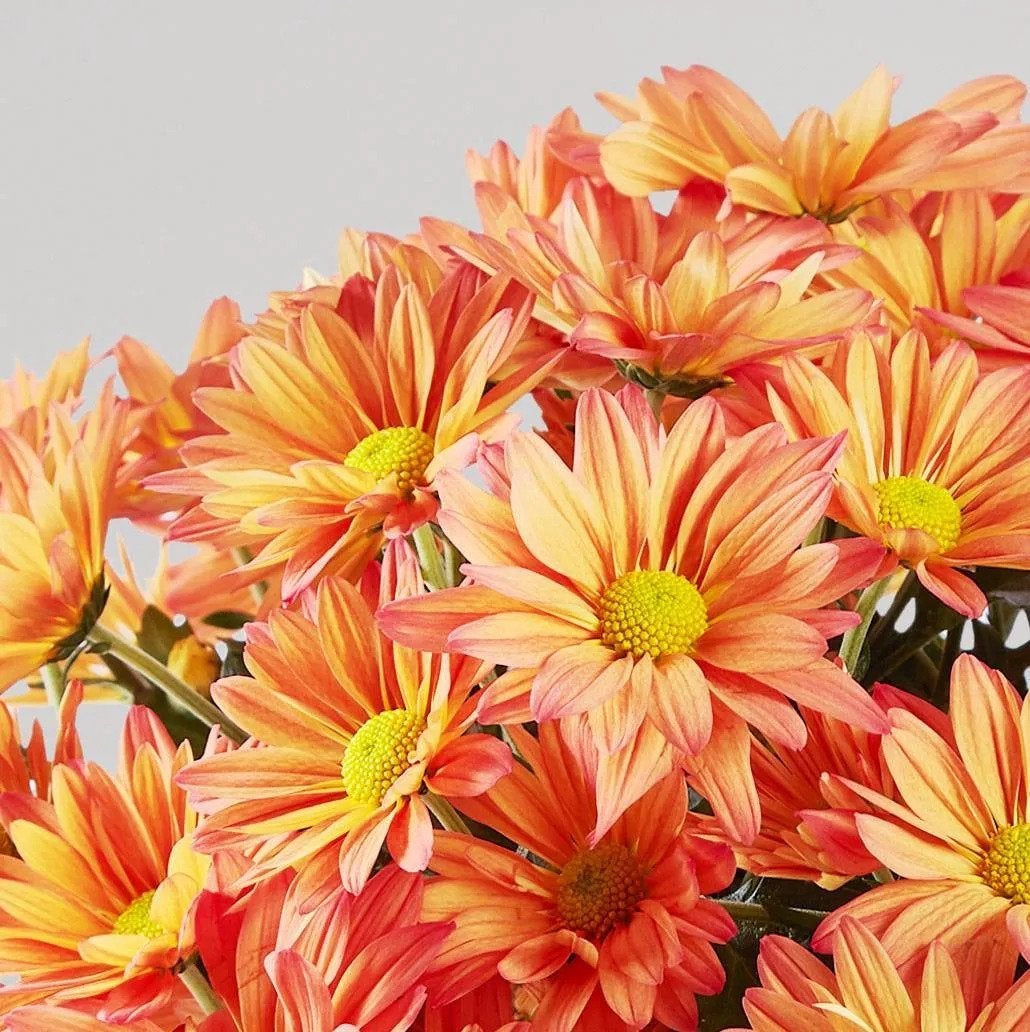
155	156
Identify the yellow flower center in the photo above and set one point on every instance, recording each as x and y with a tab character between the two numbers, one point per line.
911	503
135	919
599	889
652	612
379	753
404	450
1006	866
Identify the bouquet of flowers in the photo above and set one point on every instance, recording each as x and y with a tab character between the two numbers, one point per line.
698	706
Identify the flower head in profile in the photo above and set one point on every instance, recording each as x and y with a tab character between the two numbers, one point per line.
613	925
354	963
677	595
698	123
935	464
865	990
330	446
959	836
96	909
348	730
54	512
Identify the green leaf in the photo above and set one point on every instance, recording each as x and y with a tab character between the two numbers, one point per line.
157	633
227	619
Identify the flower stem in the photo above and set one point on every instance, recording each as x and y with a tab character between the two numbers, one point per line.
429	557
158	674
781	915
53	683
201	989
851	647
445	813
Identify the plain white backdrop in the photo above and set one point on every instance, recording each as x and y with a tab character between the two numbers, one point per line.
155	156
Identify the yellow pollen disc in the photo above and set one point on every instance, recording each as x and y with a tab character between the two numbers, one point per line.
404	450
379	753
1006	865
599	889
652	612
135	919
911	503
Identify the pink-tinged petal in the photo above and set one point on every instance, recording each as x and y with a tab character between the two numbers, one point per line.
515	639
681	707
537	958
425	623
985	717
941	1005
827	688
786	967
506	699
360	850
543	594
869	983
756	644
912	853
770	1012
1017	921
303	996
469	766
410	838
578	678
954	589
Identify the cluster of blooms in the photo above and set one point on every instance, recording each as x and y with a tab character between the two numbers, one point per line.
449	725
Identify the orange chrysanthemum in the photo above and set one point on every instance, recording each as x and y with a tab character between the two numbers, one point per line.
54	512
935	465
331	445
698	123
934	265
97	908
613	923
808	809
353	963
167	415
960	837
351	728
678	595
865	991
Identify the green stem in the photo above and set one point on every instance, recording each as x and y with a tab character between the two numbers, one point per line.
158	674
442	810
898	603
452	560
655	400
952	644
780	915
851	647
200	987
52	677
429	557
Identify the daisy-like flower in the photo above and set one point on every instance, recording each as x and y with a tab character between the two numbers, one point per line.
960	835
698	123
614	924
935	464
166	414
331	446
865	990
936	263
351	728
54	512
96	909
680	596
349	964
808	809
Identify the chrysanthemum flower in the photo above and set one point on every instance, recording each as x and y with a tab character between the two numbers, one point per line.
97	908
698	123
349	964
865	990
54	512
679	595
331	446
615	924
351	728
808	809
494	1006
960	837
934	265
166	413
935	464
